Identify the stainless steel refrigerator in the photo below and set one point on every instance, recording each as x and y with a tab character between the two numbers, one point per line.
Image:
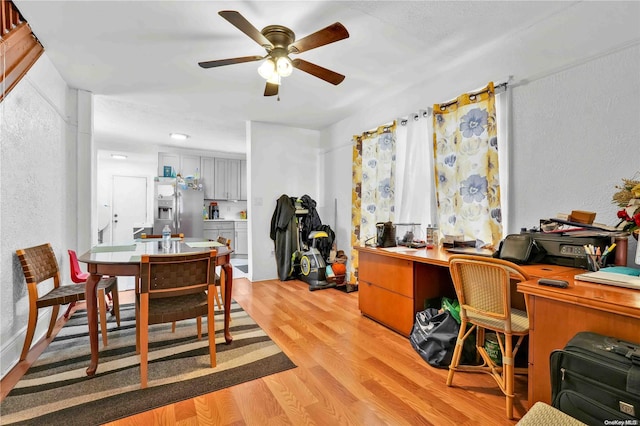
178	205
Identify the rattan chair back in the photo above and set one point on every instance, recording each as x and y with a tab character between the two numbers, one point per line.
483	287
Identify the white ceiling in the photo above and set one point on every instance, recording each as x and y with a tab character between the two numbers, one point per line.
139	58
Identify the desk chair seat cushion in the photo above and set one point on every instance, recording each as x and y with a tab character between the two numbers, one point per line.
519	321
542	414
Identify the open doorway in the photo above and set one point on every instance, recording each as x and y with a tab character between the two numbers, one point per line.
129	206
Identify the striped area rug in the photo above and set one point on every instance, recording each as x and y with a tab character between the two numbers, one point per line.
56	389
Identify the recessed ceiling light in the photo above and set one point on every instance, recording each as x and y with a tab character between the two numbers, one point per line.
179	136
118	157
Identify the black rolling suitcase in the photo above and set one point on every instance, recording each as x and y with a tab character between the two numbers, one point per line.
596	379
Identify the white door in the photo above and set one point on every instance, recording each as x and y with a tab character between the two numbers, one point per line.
129	206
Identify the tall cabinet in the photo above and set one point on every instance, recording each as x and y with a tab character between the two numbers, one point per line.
208	177
184	165
226	179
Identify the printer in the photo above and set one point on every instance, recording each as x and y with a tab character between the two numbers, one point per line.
565	249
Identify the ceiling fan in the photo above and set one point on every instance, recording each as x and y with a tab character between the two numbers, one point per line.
279	42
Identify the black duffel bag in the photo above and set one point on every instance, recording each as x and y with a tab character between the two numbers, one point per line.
434	336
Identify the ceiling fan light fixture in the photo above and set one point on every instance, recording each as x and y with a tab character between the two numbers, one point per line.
284	66
275	79
268	69
279	42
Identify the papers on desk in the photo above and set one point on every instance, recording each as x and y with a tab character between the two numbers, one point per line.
615	275
400	249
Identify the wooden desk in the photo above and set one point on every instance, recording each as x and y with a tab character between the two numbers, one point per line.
395	282
125	261
556	315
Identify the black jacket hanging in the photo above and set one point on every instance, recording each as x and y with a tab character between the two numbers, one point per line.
284	235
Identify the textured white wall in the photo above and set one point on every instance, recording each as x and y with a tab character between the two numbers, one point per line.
283	160
575	135
35	198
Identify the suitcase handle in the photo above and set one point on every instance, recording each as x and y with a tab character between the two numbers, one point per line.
631	354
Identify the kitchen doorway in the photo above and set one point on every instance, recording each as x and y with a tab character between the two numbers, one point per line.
129	201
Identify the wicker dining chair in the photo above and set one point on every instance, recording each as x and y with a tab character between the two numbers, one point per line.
483	287
220	282
217	295
174	288
39	264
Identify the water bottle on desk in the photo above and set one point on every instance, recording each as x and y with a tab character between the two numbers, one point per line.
166	237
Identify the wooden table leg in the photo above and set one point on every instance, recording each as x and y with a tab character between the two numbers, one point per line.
228	280
92	319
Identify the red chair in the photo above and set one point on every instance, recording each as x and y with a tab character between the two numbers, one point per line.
80	277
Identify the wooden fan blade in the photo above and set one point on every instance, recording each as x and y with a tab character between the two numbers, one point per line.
271	89
246	27
332	33
318	71
230	61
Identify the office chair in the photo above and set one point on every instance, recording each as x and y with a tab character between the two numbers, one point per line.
174	288
39	264
483	287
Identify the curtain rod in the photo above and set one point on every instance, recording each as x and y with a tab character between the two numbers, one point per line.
498	88
416	116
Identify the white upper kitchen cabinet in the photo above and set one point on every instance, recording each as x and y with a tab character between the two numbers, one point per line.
226	179
167	159
183	165
190	165
207	174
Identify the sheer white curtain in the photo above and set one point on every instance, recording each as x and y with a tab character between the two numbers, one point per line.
415	186
503	117
415	196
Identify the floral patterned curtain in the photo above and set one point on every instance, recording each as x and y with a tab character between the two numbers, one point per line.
372	200
466	167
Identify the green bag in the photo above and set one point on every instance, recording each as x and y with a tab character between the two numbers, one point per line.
453	306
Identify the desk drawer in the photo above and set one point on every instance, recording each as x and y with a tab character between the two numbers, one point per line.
387	272
387	307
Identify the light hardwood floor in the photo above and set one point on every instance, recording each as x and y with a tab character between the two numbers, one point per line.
351	371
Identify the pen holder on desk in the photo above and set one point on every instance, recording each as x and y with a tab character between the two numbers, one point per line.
592	262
